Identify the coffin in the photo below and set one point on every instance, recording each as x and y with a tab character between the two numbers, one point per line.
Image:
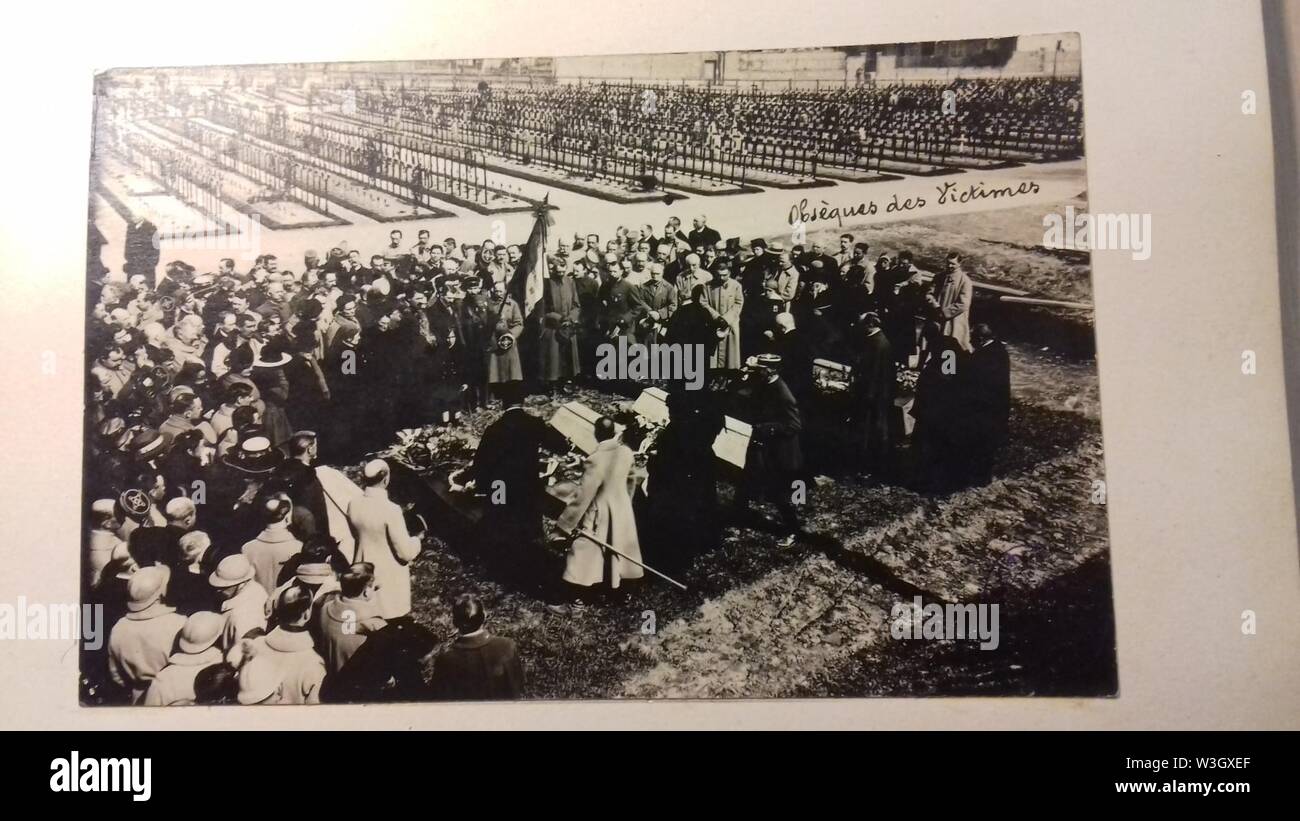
578	424
732	442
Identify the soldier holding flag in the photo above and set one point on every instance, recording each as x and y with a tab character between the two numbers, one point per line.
515	301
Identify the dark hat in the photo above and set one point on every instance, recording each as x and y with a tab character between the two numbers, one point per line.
148	443
161	376
443	281
192	373
135	503
239	359
310	309
255	455
181	391
271	356
111	429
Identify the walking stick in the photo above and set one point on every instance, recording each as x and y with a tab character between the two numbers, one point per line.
578	533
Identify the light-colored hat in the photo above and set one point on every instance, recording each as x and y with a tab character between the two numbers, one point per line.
121	559
178	391
148	443
104	507
146	587
255	455
231	571
314	573
258	681
201	631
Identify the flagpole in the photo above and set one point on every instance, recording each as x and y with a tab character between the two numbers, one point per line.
540	215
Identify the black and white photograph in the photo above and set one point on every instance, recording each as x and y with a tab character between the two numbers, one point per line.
699	375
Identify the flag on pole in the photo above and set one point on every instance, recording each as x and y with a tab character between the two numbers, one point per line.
526	284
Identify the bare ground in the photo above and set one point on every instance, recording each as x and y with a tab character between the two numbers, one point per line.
814	620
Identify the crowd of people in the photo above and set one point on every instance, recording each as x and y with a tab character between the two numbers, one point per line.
213	395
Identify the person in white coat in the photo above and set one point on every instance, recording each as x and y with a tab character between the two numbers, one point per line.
383	540
197	648
602	508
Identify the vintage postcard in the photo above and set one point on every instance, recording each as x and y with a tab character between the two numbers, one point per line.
727	374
